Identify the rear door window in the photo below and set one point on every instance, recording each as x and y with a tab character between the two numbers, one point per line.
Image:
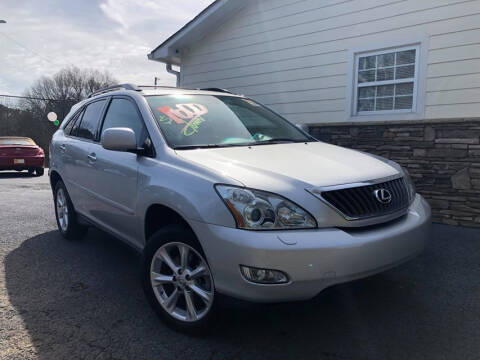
72	125
90	120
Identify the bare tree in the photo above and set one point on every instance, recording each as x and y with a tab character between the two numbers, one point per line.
59	92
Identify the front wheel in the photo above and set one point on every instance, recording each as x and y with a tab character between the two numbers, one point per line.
65	213
178	281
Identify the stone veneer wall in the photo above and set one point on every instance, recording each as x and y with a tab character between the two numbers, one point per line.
442	157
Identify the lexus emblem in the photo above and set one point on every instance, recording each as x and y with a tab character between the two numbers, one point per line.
383	196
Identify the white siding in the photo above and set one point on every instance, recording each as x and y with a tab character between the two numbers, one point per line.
293	55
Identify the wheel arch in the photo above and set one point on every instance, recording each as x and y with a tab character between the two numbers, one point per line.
158	216
54	179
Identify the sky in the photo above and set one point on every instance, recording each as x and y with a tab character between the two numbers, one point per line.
43	36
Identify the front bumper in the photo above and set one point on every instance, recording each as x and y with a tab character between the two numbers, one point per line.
313	259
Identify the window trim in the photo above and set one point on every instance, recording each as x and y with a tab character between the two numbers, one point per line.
358	85
419	94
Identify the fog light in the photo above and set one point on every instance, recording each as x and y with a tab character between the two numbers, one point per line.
263	276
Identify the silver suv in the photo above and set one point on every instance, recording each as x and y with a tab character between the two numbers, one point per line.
223	196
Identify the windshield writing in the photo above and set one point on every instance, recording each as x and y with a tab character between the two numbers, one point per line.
206	120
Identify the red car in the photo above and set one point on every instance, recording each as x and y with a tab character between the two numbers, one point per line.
21	153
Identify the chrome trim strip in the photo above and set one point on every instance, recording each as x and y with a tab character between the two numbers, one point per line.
320	189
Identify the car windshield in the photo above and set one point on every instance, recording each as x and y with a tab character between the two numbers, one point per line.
192	121
15	141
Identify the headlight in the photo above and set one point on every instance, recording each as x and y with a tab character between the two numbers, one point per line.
410	185
260	210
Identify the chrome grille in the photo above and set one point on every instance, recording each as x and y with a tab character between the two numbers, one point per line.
360	202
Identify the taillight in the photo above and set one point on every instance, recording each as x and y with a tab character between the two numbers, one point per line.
40	151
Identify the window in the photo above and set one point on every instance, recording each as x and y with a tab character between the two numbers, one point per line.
207	120
16	141
72	126
386	81
122	113
89	122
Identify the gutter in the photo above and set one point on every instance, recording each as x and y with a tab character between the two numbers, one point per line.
176	73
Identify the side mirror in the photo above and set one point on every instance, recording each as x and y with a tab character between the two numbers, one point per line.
119	139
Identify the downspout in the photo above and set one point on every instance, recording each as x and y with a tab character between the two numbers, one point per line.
176	73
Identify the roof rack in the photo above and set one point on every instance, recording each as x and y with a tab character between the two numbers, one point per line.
216	89
139	88
113	88
157	86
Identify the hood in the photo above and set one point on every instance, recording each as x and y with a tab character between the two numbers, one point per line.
293	164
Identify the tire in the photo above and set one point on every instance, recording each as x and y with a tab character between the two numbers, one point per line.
68	226
172	239
30	172
39	171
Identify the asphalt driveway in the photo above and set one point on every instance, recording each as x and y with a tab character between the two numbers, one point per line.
83	300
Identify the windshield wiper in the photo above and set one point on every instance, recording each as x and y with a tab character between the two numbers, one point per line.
279	140
208	146
262	142
198	146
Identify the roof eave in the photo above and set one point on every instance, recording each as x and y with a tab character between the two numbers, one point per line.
170	51
161	55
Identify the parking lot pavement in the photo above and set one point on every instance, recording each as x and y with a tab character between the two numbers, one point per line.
83	300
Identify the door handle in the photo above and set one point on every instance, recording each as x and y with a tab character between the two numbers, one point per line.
63	147
92	157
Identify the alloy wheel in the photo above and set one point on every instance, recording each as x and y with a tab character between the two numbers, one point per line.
62	210
182	281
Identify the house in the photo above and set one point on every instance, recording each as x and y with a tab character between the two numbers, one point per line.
399	78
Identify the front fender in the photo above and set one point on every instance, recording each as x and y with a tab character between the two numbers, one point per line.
188	191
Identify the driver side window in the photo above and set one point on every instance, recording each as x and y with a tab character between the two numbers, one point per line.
122	113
